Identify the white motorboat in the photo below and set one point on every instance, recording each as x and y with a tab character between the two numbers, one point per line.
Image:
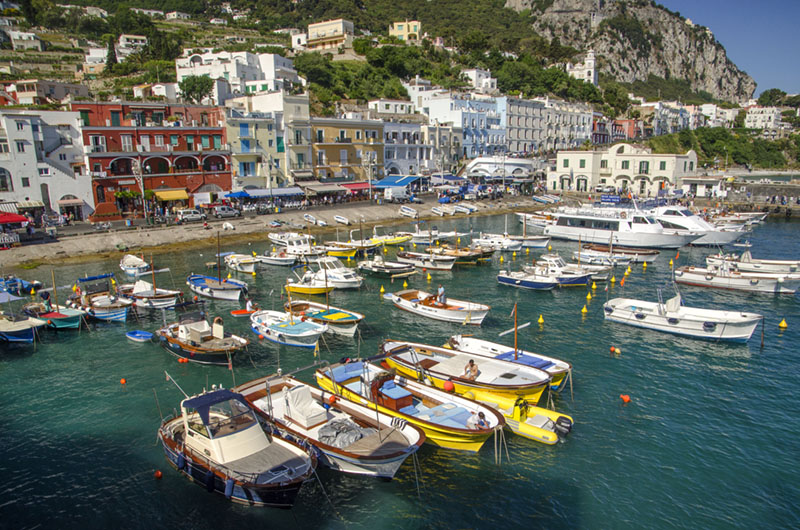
596	257
554	266
636	255
333	272
426	304
349	437
498	242
726	277
620	227
672	317
683	221
281	238
408	211
341	219
389	238
147	296
745	262
216	288
240	262
427	260
302	246
133	265
527	280
278	257
558	369
285	328
377	266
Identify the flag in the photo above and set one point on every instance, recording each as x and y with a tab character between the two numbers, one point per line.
622	282
678	255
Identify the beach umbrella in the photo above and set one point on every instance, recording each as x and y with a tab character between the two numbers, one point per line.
8	218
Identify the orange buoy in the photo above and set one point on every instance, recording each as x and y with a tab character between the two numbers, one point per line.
625	398
123	381
261	337
158	474
195	298
49	322
613	349
332	400
449	386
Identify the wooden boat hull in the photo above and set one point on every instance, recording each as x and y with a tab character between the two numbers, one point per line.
526	281
636	255
339	321
455	311
226	290
736	282
196	354
60	317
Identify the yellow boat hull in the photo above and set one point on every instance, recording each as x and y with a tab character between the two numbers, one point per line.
437	435
492	395
396	240
344	253
299	289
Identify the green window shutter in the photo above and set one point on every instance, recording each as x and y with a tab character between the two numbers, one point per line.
280	144
204	140
173	139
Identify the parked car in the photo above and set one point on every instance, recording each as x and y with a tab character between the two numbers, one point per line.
184	216
605	189
225	211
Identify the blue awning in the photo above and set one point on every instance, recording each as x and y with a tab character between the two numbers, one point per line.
274	192
447	178
396	181
203	402
237	195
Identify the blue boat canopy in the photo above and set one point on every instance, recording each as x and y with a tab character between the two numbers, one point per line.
203	403
237	195
98	277
396	181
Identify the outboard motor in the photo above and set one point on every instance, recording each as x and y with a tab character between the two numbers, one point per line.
563	425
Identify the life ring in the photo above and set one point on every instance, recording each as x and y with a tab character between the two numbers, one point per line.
218	320
623	215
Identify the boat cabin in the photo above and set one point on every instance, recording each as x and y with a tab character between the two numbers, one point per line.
193	328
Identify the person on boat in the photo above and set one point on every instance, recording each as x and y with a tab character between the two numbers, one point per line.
471	370
477	421
441	298
250	306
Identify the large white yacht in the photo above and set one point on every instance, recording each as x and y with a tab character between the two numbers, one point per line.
683	221
631	228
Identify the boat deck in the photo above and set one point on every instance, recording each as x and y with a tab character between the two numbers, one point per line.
271	464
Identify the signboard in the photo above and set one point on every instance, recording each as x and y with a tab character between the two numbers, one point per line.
609	198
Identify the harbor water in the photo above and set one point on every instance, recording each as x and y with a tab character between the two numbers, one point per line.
709	439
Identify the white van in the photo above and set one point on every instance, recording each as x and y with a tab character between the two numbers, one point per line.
396	194
190	215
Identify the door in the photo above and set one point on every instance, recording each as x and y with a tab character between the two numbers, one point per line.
301	160
245	146
115	121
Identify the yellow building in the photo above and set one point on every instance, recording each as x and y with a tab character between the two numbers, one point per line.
330	35
407	30
347	149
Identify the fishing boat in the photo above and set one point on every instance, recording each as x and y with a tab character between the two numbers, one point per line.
301	247
240	262
57	316
284	328
192	338
497	382
389	238
408	211
381	268
218	442
277	257
362	244
333	272
673	317
98	297
339	321
17	327
147	296
559	370
635	254
725	277
17	286
427	260
498	242
425	304
338	249
133	265
553	265
527	280
349	437
464	255
745	262
448	421
341	219
217	288
307	284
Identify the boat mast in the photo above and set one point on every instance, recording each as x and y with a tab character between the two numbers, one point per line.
219	265
55	291
153	273
515	331
289	296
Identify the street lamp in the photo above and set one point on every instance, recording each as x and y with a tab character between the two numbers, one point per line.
137	174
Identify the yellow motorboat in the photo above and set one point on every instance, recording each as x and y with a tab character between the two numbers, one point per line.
338	250
307	285
449	421
493	381
389	239
536	423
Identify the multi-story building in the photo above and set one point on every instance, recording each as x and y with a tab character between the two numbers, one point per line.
480	80
41	91
409	30
42	165
246	72
181	149
177	15
330	35
666	117
148	12
585	71
348	148
524	123
623	166
254	149
717	116
390	107
446	140
763	118
405	151
128	44
94	62
24	40
483	132
565	124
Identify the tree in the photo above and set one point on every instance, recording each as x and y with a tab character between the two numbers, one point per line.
771	97
195	88
111	56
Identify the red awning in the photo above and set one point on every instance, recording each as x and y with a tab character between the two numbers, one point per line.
356	186
8	218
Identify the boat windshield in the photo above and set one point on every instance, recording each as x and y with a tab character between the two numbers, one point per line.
228	417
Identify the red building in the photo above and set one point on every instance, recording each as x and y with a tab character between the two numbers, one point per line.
178	150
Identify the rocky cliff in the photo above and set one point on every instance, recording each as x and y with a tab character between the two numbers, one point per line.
637	38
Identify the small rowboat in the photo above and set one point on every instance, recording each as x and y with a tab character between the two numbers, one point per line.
214	288
636	255
408	211
139	336
310	218
425	304
285	329
341	219
239	313
133	265
322	222
241	262
339	321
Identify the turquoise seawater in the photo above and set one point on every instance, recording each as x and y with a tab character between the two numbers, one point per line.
710	439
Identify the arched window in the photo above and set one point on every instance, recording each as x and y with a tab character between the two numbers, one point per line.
101	194
5	180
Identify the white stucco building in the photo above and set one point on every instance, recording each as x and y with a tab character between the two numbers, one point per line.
585	71
524	120
763	118
405	151
390	107
483	132
717	116
246	72
42	166
623	167
565	124
481	80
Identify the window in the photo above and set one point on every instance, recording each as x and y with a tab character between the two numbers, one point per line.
582	163
20	146
386	106
20	125
62	157
358	135
342	134
626	164
684	165
269	142
321	158
644	167
26	182
343	156
85	117
691	166
5	180
566	162
35	127
44	171
159	140
604	164
204	141
662	166
320	135
173	139
269	127
217	141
